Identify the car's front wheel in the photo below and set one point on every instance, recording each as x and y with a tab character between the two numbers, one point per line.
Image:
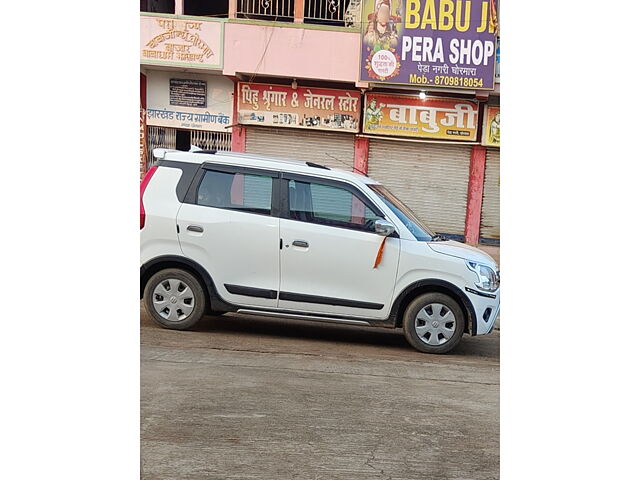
433	323
175	299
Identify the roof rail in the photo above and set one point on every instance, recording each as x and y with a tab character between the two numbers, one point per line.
317	165
211	152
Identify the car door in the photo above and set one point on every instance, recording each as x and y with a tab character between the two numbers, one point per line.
227	225
329	250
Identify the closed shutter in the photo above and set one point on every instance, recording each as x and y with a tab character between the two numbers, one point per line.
432	179
335	150
490	217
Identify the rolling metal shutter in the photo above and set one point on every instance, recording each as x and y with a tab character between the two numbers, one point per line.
432	179
335	150
490	217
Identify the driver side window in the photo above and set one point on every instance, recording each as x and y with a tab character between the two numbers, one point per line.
329	205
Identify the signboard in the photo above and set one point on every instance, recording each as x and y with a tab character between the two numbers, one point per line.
491	126
143	141
410	116
304	107
430	43
189	101
184	92
180	41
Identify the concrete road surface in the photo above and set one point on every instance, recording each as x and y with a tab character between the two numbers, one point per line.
262	398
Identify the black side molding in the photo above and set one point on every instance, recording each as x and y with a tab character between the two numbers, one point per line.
251	291
299	297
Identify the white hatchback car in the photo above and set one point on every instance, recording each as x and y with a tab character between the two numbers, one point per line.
226	232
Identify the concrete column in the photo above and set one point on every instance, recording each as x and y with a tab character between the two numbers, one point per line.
361	155
143	125
238	132
474	194
298	11
179	8
233	8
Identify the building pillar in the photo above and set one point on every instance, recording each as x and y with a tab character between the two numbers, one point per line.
474	194
179	7
361	155
143	125
238	132
298	11
233	8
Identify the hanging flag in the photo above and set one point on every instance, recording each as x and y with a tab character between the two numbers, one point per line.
380	252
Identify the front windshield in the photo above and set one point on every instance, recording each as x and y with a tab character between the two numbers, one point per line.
404	213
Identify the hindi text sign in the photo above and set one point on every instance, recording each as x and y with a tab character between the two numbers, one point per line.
176	40
409	116
430	43
304	107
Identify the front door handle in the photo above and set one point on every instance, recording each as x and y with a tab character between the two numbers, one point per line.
300	243
195	228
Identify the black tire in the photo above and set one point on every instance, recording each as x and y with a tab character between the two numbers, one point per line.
426	301
197	296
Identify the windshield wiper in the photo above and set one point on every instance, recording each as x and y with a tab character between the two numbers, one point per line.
438	238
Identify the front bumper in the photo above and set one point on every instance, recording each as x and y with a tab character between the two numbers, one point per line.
486	309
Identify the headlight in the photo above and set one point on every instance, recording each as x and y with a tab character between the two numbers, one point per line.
488	279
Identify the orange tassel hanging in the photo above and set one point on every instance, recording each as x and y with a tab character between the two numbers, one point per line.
380	252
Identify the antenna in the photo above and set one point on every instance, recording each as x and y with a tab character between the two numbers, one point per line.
346	164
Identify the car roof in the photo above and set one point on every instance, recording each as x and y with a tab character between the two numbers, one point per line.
260	161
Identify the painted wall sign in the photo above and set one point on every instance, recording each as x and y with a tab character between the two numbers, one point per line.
185	92
431	43
304	107
191	112
491	126
181	41
409	116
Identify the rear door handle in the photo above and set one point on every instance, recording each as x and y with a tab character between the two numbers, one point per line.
300	243
195	228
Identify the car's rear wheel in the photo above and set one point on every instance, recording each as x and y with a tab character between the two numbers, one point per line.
433	323
175	299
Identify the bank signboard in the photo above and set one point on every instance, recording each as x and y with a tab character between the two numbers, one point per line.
181	41
410	116
303	107
190	101
430	43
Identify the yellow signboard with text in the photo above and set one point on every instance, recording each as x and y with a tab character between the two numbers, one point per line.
411	116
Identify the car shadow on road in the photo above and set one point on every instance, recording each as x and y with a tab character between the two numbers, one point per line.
341	336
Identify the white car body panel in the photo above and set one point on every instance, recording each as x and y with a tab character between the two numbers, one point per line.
236	248
159	236
339	264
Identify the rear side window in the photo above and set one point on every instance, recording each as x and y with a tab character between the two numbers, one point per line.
236	191
328	205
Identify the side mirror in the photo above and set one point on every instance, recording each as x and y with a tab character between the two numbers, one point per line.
384	227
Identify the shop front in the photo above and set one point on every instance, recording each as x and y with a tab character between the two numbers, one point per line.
188	109
188	101
420	149
423	143
309	124
490	215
